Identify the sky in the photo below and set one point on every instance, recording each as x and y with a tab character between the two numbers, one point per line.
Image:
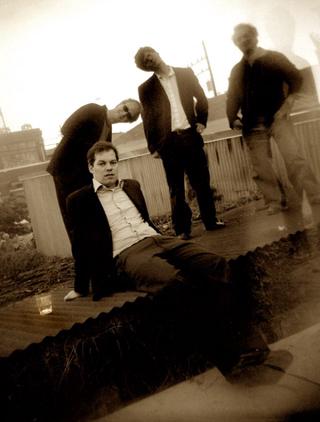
57	55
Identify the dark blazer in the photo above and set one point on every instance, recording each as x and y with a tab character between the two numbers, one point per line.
92	240
80	131
156	113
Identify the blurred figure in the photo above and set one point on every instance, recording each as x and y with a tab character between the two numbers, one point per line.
263	86
173	122
87	125
280	25
315	38
282	34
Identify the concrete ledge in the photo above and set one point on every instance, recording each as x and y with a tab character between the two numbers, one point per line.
285	388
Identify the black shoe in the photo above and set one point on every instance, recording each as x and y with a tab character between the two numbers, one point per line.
216	226
253	357
184	236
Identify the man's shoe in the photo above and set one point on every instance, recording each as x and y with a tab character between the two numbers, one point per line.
253	357
72	295
184	236
275	209
217	225
262	207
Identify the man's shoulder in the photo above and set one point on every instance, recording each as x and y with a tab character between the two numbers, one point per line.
147	82
182	70
81	193
237	67
88	110
130	183
83	113
274	56
90	106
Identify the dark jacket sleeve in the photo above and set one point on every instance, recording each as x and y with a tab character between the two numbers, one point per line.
78	240
234	95
201	107
155	113
91	243
290	73
80	131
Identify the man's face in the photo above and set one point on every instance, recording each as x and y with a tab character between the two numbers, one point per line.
126	110
245	40
151	61
105	168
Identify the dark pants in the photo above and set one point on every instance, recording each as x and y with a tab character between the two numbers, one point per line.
184	154
191	285
159	260
62	192
64	186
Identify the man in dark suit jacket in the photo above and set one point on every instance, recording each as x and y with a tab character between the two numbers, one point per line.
87	125
113	236
173	123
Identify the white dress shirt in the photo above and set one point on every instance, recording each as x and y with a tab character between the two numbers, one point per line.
125	221
178	116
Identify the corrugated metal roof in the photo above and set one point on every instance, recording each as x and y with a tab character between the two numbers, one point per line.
21	324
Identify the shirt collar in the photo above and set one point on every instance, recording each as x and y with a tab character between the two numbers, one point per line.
171	73
259	52
99	186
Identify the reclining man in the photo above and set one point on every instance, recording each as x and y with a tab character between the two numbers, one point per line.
112	235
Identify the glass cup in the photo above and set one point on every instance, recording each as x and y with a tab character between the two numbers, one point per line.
44	303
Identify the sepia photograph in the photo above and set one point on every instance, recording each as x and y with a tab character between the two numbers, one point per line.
160	211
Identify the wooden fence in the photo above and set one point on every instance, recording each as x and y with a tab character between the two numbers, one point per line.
230	170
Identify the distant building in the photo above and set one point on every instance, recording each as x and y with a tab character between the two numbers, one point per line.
21	148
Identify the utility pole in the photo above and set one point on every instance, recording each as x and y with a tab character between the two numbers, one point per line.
3	121
209	69
204	60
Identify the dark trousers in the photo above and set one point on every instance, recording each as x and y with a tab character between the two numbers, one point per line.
184	154
62	192
192	288
156	261
64	186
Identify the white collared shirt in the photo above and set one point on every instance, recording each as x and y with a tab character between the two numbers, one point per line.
125	221
178	116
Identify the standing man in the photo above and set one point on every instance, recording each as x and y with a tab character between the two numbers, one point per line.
87	125
262	86
173	122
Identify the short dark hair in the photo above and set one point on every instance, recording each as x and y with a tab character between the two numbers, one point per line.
139	57
100	146
246	26
132	117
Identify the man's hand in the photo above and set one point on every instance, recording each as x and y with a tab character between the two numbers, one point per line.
237	124
286	108
200	127
156	155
